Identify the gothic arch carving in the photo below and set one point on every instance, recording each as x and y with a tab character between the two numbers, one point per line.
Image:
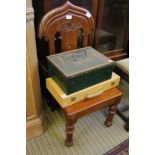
67	19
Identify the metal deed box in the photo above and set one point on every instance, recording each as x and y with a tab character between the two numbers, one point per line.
93	91
78	69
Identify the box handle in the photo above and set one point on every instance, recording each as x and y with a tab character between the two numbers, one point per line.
96	94
79	55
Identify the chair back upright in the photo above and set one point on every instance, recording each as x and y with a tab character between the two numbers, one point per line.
63	26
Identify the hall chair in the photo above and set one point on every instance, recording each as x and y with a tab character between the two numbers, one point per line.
122	69
61	28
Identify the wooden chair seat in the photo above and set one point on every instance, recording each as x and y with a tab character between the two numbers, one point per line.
110	98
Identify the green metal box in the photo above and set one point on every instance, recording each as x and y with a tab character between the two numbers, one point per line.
79	69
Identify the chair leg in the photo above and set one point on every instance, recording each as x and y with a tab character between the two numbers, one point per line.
127	125
69	134
70	123
111	113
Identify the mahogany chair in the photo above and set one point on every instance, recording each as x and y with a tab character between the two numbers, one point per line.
62	27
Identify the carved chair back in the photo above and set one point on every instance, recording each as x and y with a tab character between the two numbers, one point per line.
65	23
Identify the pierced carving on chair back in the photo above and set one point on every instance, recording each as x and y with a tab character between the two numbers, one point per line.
69	26
67	20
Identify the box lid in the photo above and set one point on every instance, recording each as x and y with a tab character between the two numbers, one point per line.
79	61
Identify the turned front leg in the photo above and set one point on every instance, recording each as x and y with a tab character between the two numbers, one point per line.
70	122
111	113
